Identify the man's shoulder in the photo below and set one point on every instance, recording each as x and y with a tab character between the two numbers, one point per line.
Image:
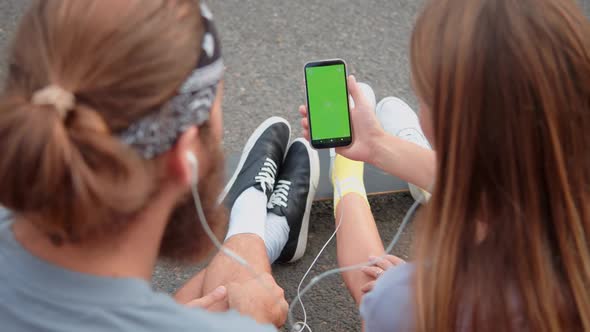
145	311
150	313
163	313
389	305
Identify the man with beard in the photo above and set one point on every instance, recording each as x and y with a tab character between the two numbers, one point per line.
110	117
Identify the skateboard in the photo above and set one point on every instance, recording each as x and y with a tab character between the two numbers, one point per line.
377	182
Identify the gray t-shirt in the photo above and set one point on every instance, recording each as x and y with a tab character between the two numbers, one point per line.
388	307
38	296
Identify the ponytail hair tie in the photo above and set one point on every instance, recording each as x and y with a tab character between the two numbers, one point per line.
63	101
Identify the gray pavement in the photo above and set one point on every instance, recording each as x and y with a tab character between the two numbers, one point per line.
266	43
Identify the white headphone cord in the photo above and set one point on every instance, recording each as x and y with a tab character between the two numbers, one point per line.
301	325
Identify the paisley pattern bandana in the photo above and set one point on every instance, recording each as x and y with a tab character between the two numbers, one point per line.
158	131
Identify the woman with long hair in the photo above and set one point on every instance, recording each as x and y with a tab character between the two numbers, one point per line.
504	242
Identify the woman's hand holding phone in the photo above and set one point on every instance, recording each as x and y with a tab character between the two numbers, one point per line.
365	126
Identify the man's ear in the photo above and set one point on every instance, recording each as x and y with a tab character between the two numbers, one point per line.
180	169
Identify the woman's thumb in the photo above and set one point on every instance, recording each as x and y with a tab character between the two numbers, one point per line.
355	91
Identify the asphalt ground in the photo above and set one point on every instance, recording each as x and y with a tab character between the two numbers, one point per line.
266	43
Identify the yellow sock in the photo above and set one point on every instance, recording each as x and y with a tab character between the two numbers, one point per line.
347	178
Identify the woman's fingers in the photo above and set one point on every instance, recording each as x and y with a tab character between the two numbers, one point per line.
305	131
381	262
373	271
355	92
368	286
305	134
395	260
303	111
305	124
386	262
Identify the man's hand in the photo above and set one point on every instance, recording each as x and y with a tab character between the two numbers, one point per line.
375	271
365	126
216	296
260	298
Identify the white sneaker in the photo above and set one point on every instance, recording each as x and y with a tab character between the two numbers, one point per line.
398	119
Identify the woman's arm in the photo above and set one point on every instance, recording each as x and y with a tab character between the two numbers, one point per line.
406	160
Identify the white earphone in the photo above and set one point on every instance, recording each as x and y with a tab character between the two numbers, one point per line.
192	159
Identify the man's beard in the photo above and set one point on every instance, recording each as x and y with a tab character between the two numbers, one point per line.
185	239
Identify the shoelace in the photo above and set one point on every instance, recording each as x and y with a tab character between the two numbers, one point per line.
267	174
414	136
280	195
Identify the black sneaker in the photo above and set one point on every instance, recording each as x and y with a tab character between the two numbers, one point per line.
293	196
260	162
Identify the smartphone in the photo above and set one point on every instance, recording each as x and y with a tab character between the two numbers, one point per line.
328	108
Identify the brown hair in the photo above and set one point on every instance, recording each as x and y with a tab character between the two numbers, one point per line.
508	86
121	59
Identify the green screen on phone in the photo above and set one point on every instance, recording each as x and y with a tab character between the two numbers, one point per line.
328	103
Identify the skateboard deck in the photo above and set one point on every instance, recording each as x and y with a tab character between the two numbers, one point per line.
377	182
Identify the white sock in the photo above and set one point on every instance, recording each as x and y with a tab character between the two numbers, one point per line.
276	236
248	215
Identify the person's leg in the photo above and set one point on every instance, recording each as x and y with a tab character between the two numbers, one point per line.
251	291
290	205
246	196
262	233
223	269
245	238
286	221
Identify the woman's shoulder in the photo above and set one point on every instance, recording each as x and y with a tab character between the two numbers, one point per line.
388	307
5	215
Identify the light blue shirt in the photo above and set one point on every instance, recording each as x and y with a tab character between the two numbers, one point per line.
388	307
38	296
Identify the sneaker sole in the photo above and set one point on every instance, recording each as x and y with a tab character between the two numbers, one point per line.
313	185
247	148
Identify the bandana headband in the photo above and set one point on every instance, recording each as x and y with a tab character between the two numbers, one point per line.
157	132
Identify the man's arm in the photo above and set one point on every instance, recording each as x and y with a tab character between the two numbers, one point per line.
192	290
256	296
